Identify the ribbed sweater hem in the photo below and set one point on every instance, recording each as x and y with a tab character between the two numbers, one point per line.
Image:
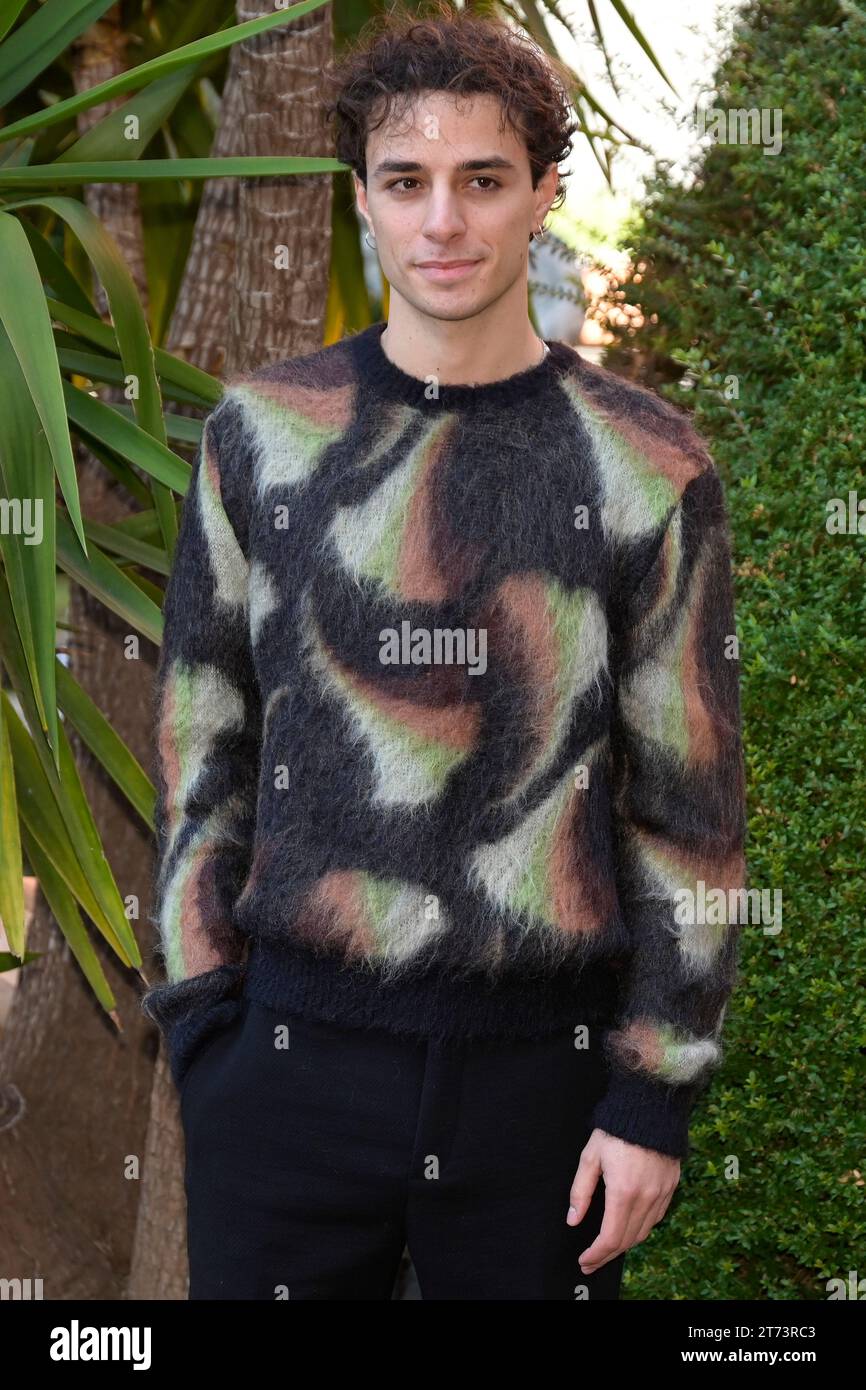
291	979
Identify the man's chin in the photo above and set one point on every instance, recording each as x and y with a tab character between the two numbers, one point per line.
448	307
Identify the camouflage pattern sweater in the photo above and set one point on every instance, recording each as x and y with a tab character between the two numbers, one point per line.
449	720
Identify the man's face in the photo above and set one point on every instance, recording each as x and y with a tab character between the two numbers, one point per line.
426	210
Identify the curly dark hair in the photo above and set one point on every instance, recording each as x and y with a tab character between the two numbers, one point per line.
401	52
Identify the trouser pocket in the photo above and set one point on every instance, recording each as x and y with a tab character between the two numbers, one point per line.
188	1010
203	1034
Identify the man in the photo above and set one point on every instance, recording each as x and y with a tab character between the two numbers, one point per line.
449	752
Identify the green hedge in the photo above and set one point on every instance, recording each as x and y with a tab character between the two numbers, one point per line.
756	271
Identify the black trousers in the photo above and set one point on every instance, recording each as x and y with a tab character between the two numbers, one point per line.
315	1153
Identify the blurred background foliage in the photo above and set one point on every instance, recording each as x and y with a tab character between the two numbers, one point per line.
749	275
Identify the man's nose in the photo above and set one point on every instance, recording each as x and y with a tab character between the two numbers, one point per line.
442	216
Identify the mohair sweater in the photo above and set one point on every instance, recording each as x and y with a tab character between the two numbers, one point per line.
449	718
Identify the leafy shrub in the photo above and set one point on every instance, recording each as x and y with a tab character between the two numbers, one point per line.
753	286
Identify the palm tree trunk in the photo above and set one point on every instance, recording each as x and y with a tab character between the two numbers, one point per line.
283	248
234	310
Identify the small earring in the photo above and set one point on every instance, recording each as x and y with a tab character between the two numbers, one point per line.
371	244
539	235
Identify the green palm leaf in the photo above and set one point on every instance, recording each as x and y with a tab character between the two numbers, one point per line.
120	764
24	315
11	868
137	78
134	171
38	42
65	911
27	549
101	577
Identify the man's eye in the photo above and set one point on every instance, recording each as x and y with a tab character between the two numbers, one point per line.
482	178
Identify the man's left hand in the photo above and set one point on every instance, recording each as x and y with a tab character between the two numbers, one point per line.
639	1184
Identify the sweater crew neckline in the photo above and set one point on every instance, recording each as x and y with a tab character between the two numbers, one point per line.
377	370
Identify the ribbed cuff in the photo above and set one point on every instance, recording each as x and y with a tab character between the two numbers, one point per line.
651	1113
187	1011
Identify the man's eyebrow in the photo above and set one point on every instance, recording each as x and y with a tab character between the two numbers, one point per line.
412	166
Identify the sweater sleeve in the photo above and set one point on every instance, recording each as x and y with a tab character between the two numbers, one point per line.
208	745
679	823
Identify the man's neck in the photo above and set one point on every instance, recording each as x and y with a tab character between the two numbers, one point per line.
471	351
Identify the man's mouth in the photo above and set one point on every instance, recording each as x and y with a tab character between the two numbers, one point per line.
446	270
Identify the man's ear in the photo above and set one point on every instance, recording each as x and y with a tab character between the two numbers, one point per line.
360	195
547	186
